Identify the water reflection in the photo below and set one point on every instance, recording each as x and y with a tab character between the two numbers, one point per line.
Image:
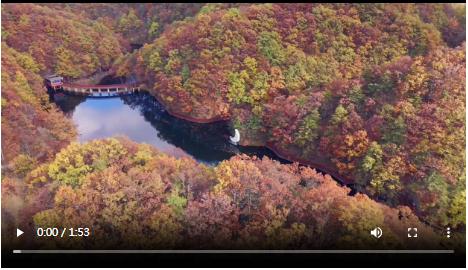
205	142
143	119
66	103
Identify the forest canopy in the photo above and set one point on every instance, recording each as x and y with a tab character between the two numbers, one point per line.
152	200
375	92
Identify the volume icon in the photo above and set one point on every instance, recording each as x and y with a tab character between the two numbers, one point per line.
376	232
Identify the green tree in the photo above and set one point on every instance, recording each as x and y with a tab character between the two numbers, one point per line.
174	62
308	131
295	77
251	65
269	44
339	116
320	70
155	62
394	131
237	92
373	158
176	201
153	29
260	87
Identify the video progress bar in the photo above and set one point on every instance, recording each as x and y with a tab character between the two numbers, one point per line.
229	251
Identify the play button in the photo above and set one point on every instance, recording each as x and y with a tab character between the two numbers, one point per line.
18	232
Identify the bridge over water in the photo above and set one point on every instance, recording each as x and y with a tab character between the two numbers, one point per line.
56	83
100	90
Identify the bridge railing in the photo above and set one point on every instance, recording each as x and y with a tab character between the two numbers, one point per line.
102	87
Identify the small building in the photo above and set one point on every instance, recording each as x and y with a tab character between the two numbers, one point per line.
54	81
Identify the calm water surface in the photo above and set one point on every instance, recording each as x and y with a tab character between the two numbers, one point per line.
143	119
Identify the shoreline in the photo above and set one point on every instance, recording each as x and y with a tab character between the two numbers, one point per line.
322	168
280	153
189	118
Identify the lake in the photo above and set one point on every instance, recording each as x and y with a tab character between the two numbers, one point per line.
143	119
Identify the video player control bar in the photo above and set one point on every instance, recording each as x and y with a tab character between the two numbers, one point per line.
405	251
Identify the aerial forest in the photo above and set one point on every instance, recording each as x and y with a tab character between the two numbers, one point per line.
375	93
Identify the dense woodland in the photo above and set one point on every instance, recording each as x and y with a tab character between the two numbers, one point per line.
135	196
137	23
374	91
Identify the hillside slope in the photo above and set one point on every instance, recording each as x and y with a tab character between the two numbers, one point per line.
137	197
375	90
